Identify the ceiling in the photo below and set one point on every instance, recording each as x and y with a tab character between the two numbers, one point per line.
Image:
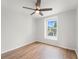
57	5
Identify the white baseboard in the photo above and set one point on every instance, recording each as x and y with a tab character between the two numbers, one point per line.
57	45
16	47
76	52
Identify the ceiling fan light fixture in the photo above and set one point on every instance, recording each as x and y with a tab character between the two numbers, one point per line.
37	11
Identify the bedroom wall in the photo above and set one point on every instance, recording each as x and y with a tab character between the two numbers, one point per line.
67	30
17	28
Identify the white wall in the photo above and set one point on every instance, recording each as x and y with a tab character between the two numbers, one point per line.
67	30
17	28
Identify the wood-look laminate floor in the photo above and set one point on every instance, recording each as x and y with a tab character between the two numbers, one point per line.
39	51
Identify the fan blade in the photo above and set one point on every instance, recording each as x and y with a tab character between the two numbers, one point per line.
29	8
32	13
46	9
41	14
38	3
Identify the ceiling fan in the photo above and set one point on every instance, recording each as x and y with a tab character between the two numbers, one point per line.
38	10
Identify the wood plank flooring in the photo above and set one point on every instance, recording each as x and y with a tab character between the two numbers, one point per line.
39	51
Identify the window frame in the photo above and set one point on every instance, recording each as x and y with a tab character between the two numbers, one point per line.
55	18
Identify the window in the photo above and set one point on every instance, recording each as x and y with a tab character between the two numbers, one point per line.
52	25
51	28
